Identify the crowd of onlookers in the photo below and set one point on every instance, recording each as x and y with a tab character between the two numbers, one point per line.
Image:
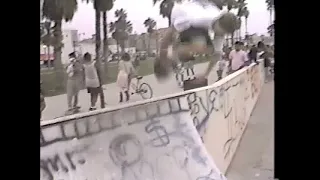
84	72
240	56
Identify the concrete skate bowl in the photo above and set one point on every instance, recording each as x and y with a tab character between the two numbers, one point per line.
156	139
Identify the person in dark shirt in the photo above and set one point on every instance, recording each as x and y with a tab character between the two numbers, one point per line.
265	54
252	55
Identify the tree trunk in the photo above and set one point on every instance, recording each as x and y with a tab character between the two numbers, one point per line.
232	39
105	41
118	51
57	33
48	54
157	43
145	42
105	35
270	17
98	60
122	46
246	25
149	44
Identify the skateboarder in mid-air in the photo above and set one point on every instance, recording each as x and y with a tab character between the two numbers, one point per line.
191	20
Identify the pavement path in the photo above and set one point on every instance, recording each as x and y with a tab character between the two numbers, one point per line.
57	105
255	154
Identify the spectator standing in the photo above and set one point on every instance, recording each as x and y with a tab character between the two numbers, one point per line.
237	57
266	54
253	54
74	81
92	80
126	73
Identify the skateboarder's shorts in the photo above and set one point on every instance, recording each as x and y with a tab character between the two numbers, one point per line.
193	34
93	90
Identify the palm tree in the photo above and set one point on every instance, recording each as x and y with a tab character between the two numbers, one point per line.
57	11
271	29
165	8
121	28
150	24
231	4
99	6
241	5
108	6
246	14
270	7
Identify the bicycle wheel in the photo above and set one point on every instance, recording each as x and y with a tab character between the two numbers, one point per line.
145	91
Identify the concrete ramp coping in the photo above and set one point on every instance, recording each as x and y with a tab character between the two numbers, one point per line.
192	135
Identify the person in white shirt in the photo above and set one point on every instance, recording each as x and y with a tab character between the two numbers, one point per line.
192	19
126	73
238	57
74	72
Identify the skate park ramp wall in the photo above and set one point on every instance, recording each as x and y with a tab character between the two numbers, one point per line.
156	139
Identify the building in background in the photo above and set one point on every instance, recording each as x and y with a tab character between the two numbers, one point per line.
254	39
88	45
70	43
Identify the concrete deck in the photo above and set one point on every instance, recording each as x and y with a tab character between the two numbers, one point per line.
254	159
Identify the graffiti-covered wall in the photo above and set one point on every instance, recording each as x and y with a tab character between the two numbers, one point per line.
157	139
220	112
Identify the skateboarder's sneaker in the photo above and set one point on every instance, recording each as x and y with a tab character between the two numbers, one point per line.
92	108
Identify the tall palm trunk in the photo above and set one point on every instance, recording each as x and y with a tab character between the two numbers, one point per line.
232	39
98	60
118	50
270	11
57	33
157	43
105	35
246	25
122	46
48	54
149	44
105	42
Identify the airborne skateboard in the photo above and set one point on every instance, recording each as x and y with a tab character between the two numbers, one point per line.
194	83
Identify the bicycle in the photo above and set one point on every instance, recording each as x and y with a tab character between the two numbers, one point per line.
141	89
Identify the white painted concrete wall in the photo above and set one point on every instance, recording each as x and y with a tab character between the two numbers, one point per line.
67	44
154	139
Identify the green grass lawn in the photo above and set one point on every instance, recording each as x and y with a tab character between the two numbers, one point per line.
51	87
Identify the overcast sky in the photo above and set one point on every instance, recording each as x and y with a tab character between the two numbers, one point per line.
84	20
